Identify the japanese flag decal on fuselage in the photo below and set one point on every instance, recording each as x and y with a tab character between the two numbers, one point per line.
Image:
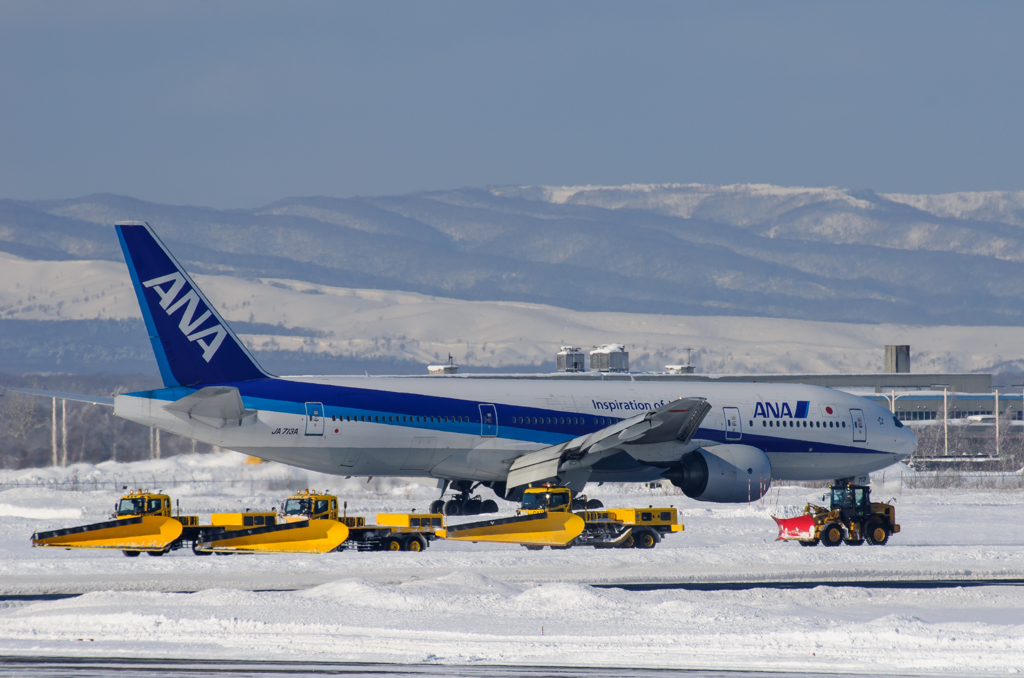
192	343
189	324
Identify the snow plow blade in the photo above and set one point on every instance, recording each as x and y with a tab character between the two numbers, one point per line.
800	527
150	533
304	536
541	529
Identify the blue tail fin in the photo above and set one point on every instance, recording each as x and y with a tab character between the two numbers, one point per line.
193	344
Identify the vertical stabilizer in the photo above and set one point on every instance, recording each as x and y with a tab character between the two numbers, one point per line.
192	343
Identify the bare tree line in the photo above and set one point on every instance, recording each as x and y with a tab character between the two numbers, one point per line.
83	432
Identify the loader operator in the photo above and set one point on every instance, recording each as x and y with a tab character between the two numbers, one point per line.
301	507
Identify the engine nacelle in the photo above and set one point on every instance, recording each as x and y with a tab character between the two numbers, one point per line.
723	473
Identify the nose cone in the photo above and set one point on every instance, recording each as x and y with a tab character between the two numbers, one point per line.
906	443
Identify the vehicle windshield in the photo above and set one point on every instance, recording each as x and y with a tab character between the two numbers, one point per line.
130	507
535	500
296	507
842	498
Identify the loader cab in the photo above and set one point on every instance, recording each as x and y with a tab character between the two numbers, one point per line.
852	501
538	499
143	503
308	505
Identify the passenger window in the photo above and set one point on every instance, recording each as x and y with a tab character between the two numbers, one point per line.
436	522
764	423
844	424
271	520
257	520
414	522
246	521
666	515
646	516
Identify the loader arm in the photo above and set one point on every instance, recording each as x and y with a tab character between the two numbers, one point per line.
570	463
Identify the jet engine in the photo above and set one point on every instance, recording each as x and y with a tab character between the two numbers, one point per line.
723	473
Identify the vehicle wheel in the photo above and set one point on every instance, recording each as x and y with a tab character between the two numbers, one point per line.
472	507
832	535
595	504
809	542
453	507
413	544
392	544
877	533
645	540
489	506
437	506
533	547
628	542
132	554
195	550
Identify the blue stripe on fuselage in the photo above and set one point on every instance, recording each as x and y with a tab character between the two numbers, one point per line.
286	396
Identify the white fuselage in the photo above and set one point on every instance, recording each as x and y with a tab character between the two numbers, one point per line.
467	428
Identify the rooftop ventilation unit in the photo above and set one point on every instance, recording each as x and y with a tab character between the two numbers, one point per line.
569	359
609	358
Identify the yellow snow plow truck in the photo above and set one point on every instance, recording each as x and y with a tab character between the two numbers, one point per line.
142	521
850	518
545	518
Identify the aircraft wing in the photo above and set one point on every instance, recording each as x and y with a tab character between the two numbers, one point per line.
571	462
77	397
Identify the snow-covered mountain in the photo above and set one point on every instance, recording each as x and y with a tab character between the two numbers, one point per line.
650	265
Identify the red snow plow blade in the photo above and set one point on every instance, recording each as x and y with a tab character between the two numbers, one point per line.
800	527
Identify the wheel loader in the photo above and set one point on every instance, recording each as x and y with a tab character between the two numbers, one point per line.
851	518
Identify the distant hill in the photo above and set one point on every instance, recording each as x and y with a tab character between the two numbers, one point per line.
817	254
902	263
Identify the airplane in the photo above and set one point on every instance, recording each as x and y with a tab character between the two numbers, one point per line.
717	442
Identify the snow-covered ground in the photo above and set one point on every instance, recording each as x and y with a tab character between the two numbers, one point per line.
362	323
461	603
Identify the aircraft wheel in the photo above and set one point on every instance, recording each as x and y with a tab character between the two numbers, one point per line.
132	554
453	507
645	540
413	544
578	505
472	507
595	504
832	535
489	506
393	544
436	506
877	533
809	542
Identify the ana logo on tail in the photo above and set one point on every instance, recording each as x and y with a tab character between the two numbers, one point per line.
189	324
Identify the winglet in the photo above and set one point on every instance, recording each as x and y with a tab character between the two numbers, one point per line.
192	343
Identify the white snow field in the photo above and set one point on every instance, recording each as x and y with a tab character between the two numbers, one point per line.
361	323
466	604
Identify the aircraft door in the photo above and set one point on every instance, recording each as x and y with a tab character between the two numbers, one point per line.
488	421
733	427
860	429
314	419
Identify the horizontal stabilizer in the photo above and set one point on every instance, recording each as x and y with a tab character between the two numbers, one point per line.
76	397
217	406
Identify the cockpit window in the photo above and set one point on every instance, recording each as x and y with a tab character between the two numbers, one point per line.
899	424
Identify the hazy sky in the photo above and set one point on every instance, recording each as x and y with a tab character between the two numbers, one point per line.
238	104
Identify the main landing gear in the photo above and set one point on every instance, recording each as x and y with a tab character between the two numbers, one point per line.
464	503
